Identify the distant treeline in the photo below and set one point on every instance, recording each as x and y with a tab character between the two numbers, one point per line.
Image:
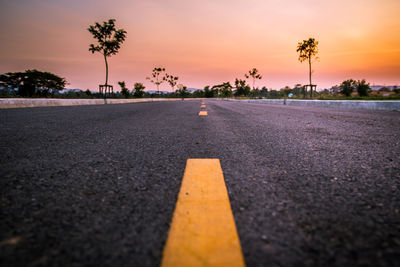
34	83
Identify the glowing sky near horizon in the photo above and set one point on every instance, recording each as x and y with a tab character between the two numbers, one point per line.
205	42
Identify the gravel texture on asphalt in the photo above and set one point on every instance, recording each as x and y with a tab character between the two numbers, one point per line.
97	185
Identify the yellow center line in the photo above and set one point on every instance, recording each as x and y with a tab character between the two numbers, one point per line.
203	231
203	106
203	113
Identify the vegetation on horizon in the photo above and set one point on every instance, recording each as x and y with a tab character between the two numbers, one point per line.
138	90
182	92
224	89
220	90
124	90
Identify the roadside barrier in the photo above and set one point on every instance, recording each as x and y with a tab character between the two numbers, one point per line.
372	105
49	102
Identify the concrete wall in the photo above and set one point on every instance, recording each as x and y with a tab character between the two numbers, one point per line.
46	102
373	105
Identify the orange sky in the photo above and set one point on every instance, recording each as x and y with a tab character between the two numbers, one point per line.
205	42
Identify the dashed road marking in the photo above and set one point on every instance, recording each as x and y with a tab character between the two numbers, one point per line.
203	106
203	113
203	231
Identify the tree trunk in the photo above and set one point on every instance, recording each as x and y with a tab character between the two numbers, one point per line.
105	59
106	85
309	64
158	86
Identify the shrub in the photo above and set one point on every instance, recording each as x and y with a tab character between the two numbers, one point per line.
347	87
363	88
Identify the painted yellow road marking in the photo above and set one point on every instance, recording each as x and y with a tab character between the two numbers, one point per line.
203	106
203	231
203	113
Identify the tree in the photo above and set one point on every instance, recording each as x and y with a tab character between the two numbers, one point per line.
254	75
109	40
307	50
124	90
298	89
208	92
172	80
156	79
255	92
286	90
363	88
138	90
347	87
182	92
33	82
335	89
198	93
264	92
242	89
273	93
224	89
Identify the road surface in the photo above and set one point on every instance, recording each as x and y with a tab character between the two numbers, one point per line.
97	185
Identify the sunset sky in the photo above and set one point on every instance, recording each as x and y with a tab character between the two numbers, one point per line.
205	42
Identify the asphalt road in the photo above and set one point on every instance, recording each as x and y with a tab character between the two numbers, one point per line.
97	185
